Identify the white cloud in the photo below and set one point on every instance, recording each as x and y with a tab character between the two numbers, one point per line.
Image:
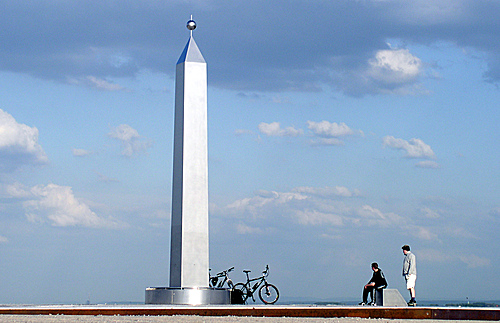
3	239
332	211
437	256
274	129
133	144
264	199
106	179
327	191
242	228
372	216
58	205
474	261
19	143
389	71
96	83
429	213
329	132
103	84
124	132
81	152
311	207
314	217
460	233
422	232
432	255
327	129
279	99
396	66
16	190
415	148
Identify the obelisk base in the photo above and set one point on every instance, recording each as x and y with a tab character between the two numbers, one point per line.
187	296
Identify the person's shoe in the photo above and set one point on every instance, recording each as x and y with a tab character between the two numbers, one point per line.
362	304
412	302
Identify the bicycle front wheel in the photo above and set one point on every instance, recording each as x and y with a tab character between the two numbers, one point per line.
244	291
269	294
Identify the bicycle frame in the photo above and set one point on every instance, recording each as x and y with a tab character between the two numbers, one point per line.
255	287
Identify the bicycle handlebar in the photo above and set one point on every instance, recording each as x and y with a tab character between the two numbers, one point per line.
266	271
224	272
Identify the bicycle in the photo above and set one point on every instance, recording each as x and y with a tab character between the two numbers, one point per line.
268	293
214	280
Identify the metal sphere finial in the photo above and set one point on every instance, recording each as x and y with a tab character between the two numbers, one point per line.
191	25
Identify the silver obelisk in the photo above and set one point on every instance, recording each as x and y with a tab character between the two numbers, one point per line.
189	226
189	231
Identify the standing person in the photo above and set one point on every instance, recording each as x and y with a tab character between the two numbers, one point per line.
410	273
377	282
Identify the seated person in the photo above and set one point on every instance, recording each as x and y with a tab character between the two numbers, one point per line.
377	282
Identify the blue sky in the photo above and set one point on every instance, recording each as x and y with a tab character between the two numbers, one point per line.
338	131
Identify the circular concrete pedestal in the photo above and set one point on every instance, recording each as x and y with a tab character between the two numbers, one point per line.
187	296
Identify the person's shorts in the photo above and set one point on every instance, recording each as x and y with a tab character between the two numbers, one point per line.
410	281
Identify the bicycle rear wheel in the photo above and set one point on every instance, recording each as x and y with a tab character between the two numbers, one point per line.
244	291
269	294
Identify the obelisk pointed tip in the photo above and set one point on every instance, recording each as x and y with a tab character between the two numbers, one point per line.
191	53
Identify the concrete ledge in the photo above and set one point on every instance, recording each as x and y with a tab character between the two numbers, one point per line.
435	313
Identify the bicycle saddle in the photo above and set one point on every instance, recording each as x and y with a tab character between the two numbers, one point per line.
247	271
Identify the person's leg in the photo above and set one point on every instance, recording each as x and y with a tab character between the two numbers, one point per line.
410	285
365	295
370	291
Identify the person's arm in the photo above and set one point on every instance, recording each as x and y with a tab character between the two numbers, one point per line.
406	266
371	282
413	265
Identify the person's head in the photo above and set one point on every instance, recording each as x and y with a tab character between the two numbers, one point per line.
406	249
374	266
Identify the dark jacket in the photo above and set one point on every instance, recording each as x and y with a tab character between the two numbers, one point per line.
379	279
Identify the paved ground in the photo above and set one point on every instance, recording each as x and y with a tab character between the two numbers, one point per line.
194	319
